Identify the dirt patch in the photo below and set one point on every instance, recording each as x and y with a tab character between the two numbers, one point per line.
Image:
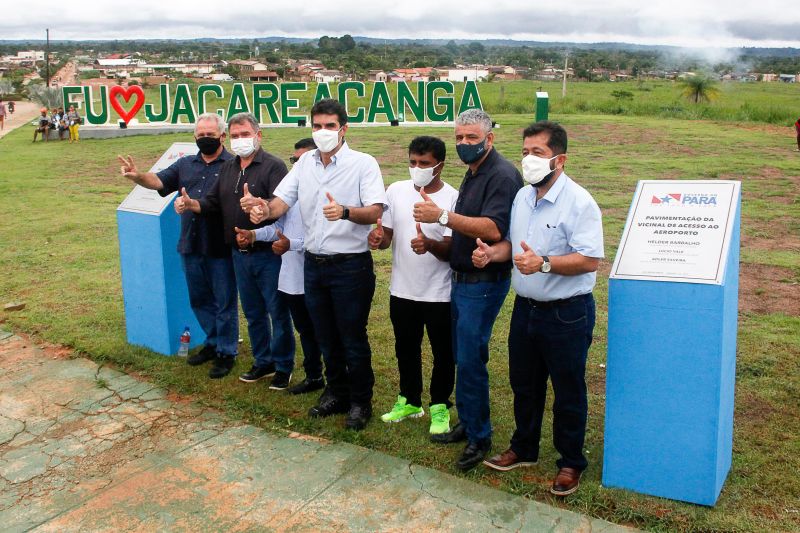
768	289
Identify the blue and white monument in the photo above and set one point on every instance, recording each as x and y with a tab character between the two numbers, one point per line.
153	283
672	324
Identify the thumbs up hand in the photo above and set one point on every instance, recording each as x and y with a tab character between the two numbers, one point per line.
183	203
281	246
332	210
527	262
421	244
244	237
426	210
248	201
375	237
482	255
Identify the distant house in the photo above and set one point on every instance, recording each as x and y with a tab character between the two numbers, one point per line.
768	77
467	74
788	78
262	75
377	75
247	65
328	76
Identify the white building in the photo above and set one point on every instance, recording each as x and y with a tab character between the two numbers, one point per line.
468	74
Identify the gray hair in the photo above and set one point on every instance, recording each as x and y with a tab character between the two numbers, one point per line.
475	116
244	118
212	117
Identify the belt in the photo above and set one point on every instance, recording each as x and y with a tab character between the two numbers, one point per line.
555	303
333	258
258	246
475	277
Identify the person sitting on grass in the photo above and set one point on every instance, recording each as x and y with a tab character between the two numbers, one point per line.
43	126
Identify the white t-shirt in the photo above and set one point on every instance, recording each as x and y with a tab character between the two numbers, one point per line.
422	278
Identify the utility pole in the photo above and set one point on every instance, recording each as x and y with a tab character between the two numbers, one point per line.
564	82
47	57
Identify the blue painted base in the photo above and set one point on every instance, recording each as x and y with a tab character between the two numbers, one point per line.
153	283
670	385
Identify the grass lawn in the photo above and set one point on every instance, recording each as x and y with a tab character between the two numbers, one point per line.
59	254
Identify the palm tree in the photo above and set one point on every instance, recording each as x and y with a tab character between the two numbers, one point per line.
699	88
48	97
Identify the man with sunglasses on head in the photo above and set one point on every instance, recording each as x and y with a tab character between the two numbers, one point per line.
252	172
341	194
206	257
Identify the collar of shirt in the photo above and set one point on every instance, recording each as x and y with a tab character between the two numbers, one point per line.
223	156
259	158
487	163
342	153
552	195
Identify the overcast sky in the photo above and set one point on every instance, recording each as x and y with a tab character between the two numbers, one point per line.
686	23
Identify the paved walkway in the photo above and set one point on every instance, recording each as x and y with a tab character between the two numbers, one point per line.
87	448
24	113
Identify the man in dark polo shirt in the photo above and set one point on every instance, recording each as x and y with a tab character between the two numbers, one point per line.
253	171
206	258
483	212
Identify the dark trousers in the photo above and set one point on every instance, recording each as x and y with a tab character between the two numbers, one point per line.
338	296
212	295
312	356
409	319
550	342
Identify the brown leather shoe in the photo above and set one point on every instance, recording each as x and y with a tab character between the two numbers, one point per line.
508	460
566	482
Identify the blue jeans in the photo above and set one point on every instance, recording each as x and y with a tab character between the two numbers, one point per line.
339	296
212	295
257	277
550	342
475	307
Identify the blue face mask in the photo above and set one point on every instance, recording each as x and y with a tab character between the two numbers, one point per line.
469	153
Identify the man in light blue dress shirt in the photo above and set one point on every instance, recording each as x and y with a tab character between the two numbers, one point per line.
556	243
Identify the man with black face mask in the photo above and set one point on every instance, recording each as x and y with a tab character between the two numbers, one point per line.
206	258
482	211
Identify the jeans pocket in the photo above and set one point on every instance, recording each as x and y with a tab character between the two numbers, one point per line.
571	315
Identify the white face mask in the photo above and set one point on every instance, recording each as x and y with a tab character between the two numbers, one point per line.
326	140
536	169
422	176
243	146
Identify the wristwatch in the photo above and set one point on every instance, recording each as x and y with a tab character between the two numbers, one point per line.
545	268
345	213
443	217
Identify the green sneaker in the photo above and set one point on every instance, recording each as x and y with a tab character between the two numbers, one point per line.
401	411
440	419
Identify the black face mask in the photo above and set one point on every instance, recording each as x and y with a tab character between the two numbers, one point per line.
208	145
469	153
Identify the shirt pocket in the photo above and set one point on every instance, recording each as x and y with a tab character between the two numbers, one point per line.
550	240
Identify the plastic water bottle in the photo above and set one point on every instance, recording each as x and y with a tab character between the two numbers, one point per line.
186	336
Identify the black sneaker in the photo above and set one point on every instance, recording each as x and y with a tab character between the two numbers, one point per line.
208	353
222	367
307	385
329	405
280	381
258	372
358	417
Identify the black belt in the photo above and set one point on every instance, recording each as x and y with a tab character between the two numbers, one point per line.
475	277
258	246
333	258
554	303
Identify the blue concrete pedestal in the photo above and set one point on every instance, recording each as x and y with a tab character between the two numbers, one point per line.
153	283
670	384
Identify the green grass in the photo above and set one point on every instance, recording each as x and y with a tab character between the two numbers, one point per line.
59	254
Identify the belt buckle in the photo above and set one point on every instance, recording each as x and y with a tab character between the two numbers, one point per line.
243	250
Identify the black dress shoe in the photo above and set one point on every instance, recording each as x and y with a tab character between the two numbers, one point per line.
457	434
474	454
329	405
257	373
222	367
307	385
208	353
358	417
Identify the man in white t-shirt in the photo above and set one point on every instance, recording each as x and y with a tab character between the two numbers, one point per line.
420	285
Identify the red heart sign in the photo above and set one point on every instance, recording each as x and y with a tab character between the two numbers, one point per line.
126	94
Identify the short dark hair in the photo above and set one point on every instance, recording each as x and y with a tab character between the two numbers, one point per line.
329	106
558	135
308	142
425	143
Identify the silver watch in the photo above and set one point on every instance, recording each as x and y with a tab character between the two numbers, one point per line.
443	217
545	268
